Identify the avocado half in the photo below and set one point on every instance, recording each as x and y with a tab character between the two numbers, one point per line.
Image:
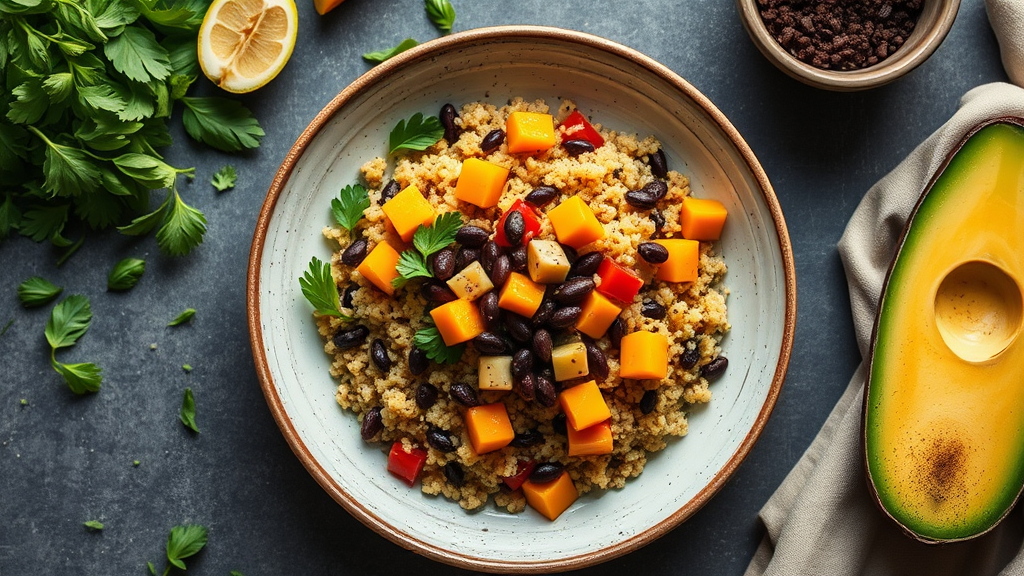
944	407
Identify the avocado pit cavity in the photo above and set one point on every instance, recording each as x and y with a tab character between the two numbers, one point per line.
978	310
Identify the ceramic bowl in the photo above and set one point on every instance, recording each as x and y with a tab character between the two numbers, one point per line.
626	91
934	23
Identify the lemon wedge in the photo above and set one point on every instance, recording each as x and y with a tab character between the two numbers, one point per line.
243	44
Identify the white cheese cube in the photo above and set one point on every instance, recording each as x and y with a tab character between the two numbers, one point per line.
546	262
570	361
471	283
495	373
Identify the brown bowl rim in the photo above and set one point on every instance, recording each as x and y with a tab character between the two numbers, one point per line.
378	74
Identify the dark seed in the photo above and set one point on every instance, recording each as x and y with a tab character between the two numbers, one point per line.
454	473
885	11
570	253
466	256
351	337
596	359
527	439
444	264
657	188
541	196
652	309
492	140
464	394
489	344
355	253
586	265
547	396
542	345
488	254
715	368
565	317
658	219
500	270
641	199
558	424
519	328
379	355
418	361
471	236
648	402
574	291
439	440
652	252
426	395
543	313
526	387
519	259
515	227
658	164
690	358
436	292
372	424
616	331
546	472
522	363
346	296
489	309
389	192
451	131
577	147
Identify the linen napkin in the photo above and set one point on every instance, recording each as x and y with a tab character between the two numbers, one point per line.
821	521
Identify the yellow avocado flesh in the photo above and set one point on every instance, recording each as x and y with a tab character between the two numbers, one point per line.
944	414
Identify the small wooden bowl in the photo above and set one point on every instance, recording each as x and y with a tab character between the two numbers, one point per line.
934	23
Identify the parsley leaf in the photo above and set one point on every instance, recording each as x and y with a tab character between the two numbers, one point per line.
81	378
319	288
441	13
224	124
44	222
348	207
183	228
69	320
183	542
411	264
225	178
37	291
188	416
10	217
427	240
93	524
430	341
382	55
185	316
125	274
147	170
68	170
136	54
418	133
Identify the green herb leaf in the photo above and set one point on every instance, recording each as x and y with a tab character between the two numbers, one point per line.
224	124
152	569
411	264
183	317
224	179
69	320
69	171
236	573
437	236
44	222
30	104
183	228
430	341
5	328
126	274
319	288
10	217
348	207
418	133
183	542
441	13
81	378
93	524
146	170
188	415
136	54
382	55
37	291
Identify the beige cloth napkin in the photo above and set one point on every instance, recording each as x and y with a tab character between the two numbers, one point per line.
821	521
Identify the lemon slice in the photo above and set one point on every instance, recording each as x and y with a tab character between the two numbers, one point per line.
243	44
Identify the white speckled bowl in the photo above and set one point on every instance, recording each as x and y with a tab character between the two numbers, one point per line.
625	91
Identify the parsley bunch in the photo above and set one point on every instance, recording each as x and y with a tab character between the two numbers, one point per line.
91	86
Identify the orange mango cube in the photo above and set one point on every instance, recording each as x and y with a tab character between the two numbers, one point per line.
379	267
643	356
584	405
598	314
407	210
702	219
325	6
574	223
596	439
551	498
489	427
683	256
480	182
520	295
458	321
529	132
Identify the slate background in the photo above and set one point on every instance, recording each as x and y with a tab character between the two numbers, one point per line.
66	459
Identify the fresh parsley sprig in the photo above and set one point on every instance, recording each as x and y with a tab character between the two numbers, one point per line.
225	178
183	542
37	291
382	55
348	207
441	13
69	320
185	316
181	226
417	133
319	288
430	341
126	274
426	241
188	411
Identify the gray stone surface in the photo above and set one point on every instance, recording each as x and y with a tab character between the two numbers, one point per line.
66	459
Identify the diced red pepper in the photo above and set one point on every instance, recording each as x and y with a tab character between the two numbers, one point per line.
576	127
523	470
406	466
617	282
529	217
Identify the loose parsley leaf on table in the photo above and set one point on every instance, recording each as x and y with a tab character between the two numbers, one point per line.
37	291
181	226
125	274
185	316
69	320
93	524
224	124
418	133
430	341
319	288
441	13
184	542
188	414
224	178
382	55
426	241
348	207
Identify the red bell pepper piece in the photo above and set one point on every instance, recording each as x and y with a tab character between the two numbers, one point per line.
523	470
617	282
406	466
529	217
576	127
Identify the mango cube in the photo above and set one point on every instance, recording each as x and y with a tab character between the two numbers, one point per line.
683	256
489	427
494	373
584	405
407	210
574	223
458	321
521	295
480	182
551	498
379	267
546	262
598	314
702	219
472	283
569	361
529	132
643	356
596	439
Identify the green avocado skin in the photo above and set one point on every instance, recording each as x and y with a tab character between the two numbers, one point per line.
935	423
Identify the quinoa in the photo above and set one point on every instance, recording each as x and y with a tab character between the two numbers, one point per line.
695	318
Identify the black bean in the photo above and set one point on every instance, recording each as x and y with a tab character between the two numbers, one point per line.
543	313
542	345
492	140
464	394
527	439
454	473
597	362
355	253
577	147
515	228
519	328
418	361
658	164
541	196
586	265
351	337
559	425
570	253
489	310
379	355
616	331
574	291
522	363
489	344
641	199
440	440
372	424
648	402
526	387
346	296
448	115
565	317
444	264
488	254
466	256
426	395
389	192
437	292
690	358
549	373
712	370
652	252
658	219
471	236
653	310
519	259
657	188
546	472
547	396
500	271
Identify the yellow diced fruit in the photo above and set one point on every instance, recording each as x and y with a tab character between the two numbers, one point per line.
683	256
546	262
643	356
458	321
407	211
472	283
529	132
380	267
480	182
574	223
584	405
597	316
494	373
489	427
520	295
702	219
569	361
596	439
551	498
